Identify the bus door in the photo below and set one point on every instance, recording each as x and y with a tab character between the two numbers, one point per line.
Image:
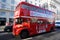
33	25
41	26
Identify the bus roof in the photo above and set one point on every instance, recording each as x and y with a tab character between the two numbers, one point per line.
33	5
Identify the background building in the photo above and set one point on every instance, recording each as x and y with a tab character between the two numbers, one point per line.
57	3
52	5
6	11
34	2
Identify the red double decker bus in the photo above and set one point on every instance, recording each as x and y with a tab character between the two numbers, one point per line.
30	20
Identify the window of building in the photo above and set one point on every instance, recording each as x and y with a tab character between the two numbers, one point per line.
3	6
12	1
12	7
39	5
3	14
35	0
3	0
11	14
35	3
0	6
26	0
11	20
2	21
30	1
39	0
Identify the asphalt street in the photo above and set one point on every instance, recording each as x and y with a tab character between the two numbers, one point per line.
46	36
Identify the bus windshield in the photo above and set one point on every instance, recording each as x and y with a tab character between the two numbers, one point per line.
18	20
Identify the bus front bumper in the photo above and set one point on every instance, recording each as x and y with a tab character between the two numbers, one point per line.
16	32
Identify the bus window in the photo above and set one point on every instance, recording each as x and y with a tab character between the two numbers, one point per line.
41	11
34	8
34	20
39	22
26	7
18	20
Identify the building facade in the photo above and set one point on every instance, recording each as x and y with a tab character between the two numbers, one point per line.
52	5
34	2
57	3
6	11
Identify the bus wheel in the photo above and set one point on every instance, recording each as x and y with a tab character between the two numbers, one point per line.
24	34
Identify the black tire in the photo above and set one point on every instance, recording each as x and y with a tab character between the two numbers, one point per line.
24	34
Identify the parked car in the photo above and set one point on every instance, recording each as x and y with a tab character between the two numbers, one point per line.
57	23
8	28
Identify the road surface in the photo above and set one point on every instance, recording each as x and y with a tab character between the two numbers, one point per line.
46	36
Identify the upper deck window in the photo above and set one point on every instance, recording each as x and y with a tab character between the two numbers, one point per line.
26	7
48	12
32	8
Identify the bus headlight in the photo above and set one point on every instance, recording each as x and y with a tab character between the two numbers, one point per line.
20	26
